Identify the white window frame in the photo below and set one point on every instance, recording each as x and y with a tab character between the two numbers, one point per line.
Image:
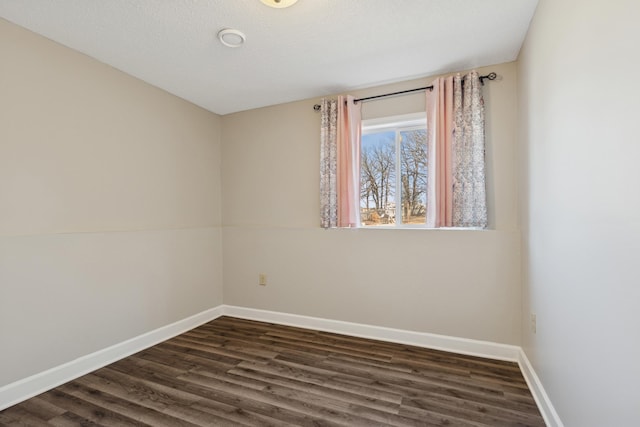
405	122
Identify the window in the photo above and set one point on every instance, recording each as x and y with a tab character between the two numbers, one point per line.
393	171
391	185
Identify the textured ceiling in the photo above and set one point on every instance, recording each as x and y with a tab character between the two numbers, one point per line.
314	48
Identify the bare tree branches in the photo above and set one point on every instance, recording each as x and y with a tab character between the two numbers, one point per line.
413	166
380	162
378	174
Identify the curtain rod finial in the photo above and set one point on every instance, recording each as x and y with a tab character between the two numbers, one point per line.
490	76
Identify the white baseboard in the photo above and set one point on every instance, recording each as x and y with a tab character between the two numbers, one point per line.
26	388
420	339
547	410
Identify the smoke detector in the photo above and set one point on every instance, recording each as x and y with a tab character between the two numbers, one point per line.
279	3
231	38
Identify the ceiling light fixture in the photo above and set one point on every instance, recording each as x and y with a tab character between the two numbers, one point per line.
279	3
231	38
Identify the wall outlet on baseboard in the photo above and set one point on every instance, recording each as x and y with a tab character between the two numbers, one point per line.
262	279
534	325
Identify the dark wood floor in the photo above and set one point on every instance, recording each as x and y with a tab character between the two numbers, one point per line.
239	372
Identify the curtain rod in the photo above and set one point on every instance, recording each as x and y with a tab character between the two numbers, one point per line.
490	76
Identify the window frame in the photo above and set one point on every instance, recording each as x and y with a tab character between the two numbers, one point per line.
397	124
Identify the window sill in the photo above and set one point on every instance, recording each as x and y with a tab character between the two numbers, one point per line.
410	227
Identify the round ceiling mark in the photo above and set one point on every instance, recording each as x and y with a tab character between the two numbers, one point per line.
279	3
231	38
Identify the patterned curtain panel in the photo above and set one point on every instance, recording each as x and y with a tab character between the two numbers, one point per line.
456	195
339	163
469	189
328	163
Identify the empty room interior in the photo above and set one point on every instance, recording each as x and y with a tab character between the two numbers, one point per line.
160	190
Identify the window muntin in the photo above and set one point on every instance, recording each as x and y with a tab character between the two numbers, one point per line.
393	178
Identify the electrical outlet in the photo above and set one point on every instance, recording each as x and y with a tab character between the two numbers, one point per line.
534	326
262	279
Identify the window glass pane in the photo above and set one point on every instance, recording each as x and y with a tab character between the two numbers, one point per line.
378	178
413	178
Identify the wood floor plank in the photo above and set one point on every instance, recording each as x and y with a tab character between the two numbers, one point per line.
411	392
19	416
500	414
184	361
308	377
69	419
41	408
238	372
421	376
316	389
87	410
240	416
86	389
468	412
327	409
202	386
161	398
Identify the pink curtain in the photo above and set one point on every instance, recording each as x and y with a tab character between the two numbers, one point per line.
439	146
348	174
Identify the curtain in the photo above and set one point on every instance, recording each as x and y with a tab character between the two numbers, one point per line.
340	163
439	142
469	188
328	163
456	194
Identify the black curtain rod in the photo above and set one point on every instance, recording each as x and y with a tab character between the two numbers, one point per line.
490	76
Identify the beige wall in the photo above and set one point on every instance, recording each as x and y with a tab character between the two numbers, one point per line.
109	206
461	283
581	207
